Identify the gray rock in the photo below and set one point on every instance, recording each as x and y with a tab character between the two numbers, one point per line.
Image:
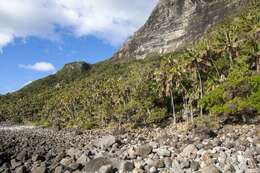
96	164
58	169
106	141
35	157
222	157
159	163
22	156
143	150
83	159
162	152
153	170
185	164
138	170
20	169
125	167
106	169
210	169
252	170
168	162
74	153
41	169
195	166
189	150
15	164
74	166
66	161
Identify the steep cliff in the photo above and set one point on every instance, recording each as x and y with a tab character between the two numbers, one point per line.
175	23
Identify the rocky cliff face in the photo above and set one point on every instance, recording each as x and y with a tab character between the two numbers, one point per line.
175	23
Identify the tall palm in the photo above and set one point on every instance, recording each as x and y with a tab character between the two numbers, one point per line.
199	65
230	43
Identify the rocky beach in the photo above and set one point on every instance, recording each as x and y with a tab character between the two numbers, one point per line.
233	148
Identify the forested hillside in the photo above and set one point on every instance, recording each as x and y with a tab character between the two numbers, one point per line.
216	79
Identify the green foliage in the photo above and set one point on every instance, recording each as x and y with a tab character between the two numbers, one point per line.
218	75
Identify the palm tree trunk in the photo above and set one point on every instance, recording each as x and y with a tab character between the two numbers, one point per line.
186	116
191	116
201	93
173	108
230	57
215	67
258	64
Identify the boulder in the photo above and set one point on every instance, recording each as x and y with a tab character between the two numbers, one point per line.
15	164
66	161
41	169
106	141
74	153
162	152
137	170
142	150
189	150
58	169
106	169
96	164
20	169
22	156
125	167
83	159
210	169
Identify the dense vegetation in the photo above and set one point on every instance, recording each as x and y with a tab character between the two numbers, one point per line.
219	76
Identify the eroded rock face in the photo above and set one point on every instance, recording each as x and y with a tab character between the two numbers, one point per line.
174	23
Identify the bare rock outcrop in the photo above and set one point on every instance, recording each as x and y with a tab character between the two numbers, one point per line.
175	23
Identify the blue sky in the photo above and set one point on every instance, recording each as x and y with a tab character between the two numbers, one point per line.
38	37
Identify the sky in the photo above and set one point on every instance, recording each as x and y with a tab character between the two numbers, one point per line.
37	37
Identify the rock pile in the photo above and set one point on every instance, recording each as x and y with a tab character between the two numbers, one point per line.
39	150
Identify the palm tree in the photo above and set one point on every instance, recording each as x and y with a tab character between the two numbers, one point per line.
230	43
169	78
198	65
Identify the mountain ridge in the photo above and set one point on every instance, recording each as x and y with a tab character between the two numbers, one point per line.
175	23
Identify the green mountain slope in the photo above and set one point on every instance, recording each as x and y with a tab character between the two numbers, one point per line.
216	78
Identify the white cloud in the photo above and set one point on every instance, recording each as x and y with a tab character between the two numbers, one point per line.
39	66
110	20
